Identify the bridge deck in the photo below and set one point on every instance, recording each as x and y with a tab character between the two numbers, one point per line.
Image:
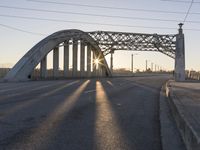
117	113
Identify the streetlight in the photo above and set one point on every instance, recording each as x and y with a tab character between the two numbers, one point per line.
132	61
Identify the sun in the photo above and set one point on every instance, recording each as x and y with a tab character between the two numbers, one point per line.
96	61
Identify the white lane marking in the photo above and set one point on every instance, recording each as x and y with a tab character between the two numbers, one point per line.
89	91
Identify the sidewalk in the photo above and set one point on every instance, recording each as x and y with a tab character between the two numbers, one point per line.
184	100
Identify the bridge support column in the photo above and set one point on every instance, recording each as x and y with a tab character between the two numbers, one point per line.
82	59
88	60
56	62
111	61
180	56
100	71
75	51
94	64
66	59
43	67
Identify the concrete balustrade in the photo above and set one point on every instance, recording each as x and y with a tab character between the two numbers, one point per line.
193	75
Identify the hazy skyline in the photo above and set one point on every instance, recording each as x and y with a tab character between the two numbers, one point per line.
89	16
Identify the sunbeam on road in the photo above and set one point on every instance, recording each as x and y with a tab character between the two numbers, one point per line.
107	131
46	129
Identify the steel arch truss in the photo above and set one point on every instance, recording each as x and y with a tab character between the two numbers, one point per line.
111	41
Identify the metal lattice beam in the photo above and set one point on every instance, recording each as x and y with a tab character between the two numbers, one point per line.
111	41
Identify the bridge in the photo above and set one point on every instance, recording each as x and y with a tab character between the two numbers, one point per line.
93	113
93	46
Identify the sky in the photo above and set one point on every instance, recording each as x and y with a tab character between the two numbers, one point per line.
15	43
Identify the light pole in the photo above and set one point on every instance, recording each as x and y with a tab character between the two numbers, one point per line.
132	61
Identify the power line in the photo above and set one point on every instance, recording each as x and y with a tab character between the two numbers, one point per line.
180	1
88	14
80	22
90	23
188	11
25	31
85	14
108	7
59	20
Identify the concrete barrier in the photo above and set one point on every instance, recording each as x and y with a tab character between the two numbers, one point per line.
189	135
3	72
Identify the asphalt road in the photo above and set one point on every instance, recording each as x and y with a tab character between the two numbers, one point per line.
104	114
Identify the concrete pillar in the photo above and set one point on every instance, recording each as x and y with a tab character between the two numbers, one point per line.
56	62
100	71
82	59
43	67
101	67
75	51
104	72
94	64
66	59
180	56
111	61
88	60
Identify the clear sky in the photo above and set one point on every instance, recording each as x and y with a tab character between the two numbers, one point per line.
14	44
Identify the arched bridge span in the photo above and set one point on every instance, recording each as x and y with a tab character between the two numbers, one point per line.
25	66
100	43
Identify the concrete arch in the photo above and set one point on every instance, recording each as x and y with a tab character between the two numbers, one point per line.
24	67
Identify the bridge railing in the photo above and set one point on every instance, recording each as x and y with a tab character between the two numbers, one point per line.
195	75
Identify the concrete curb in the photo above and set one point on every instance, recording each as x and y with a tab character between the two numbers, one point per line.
189	135
168	128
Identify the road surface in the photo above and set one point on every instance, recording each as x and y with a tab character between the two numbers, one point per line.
87	114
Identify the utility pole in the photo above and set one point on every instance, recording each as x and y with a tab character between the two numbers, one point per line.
146	65
132	63
132	69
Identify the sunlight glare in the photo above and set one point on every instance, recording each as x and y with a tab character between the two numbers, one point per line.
107	130
47	127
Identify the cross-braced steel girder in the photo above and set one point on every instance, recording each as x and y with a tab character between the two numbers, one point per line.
111	41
